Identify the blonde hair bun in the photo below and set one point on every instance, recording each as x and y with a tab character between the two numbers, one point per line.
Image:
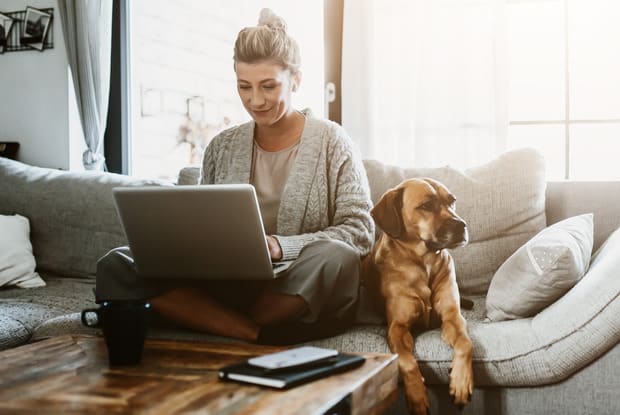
268	41
268	18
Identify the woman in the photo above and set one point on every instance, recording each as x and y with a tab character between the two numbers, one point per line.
314	201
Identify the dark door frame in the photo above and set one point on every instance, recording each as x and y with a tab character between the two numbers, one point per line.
116	138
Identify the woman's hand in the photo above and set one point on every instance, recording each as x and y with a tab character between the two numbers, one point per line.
274	248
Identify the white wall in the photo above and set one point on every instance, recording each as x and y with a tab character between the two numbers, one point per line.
36	108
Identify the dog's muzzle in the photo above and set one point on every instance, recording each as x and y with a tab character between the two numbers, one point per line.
452	234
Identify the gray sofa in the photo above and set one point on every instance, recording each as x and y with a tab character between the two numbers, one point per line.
565	360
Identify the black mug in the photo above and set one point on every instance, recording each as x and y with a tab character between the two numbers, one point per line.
124	325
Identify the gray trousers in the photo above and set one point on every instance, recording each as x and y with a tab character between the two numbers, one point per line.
326	275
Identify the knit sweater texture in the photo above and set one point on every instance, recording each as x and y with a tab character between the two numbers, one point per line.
326	194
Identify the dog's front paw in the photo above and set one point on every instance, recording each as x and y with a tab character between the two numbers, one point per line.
461	383
418	406
417	399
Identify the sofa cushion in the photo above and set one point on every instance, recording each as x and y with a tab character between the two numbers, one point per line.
542	270
503	203
23	311
72	216
12	332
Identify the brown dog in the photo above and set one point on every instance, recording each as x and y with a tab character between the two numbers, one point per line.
415	271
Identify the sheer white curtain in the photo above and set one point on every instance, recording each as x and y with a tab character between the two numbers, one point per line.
87	26
424	82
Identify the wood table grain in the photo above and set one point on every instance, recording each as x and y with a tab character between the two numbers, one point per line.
70	375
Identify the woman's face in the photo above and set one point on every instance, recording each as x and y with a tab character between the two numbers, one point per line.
265	88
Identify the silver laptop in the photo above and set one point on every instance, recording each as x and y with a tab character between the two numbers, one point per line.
204	232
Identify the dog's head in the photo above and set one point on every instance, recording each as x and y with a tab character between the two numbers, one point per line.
421	210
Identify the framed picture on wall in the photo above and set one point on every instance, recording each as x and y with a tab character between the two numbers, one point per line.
35	28
5	29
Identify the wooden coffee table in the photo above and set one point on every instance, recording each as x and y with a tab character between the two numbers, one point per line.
70	375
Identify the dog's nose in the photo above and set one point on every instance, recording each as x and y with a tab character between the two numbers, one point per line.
458	229
457	225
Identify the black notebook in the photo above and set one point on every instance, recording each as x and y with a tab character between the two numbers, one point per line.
292	376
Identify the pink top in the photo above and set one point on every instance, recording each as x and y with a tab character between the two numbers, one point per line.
270	169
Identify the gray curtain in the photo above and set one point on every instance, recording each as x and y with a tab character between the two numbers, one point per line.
87	26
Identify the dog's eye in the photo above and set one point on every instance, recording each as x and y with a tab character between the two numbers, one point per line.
452	201
427	206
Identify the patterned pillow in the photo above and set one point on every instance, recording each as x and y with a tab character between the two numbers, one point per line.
542	270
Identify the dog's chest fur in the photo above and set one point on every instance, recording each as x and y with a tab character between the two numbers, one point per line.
406	274
407	266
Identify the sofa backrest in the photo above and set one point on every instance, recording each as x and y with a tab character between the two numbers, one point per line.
73	220
511	185
567	198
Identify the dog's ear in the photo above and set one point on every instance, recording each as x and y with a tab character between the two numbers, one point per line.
387	213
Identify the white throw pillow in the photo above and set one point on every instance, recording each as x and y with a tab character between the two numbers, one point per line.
542	270
17	263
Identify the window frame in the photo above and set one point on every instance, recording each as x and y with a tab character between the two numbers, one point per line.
567	121
117	149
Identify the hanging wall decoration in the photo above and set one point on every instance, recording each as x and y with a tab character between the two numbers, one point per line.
29	29
6	23
35	28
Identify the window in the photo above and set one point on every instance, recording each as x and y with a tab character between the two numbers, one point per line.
564	93
183	88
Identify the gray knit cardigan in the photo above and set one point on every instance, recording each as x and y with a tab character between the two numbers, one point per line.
326	194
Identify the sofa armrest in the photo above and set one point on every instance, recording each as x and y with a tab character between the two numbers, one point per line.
570	198
583	323
189	175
